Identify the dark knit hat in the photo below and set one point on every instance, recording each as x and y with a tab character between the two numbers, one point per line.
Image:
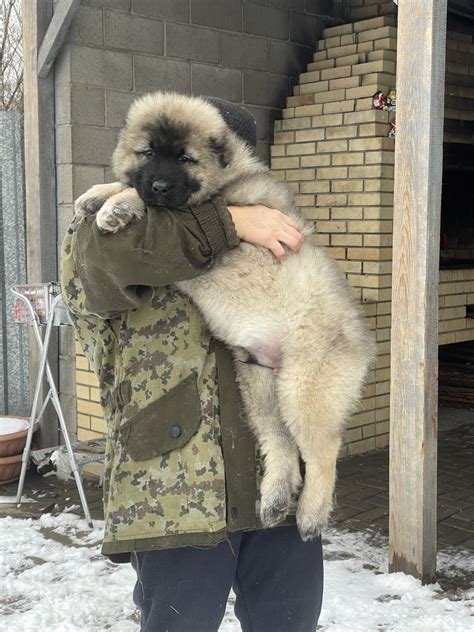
237	118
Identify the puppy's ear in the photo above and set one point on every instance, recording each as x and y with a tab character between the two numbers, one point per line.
220	147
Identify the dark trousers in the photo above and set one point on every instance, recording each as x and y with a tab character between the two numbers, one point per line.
277	579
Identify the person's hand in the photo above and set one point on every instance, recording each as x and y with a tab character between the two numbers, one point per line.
268	227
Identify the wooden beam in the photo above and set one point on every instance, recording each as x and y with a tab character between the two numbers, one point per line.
421	50
64	12
40	173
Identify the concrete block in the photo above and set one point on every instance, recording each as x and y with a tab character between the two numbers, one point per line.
192	42
134	33
97	67
92	145
299	5
84	177
243	51
161	74
225	83
63	144
225	14
319	7
174	10
73	181
120	5
64	184
77	103
65	214
87	26
263	151
116	106
305	29
266	21
288	59
265	120
265	89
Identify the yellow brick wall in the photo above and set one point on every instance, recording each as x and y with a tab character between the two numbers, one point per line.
90	423
332	149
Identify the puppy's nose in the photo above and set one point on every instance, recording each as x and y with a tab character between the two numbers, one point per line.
160	186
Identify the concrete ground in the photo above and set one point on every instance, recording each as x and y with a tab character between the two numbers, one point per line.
362	488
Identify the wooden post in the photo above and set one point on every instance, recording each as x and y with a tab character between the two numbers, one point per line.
414	356
40	174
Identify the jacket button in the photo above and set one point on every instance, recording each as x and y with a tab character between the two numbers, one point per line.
175	432
234	513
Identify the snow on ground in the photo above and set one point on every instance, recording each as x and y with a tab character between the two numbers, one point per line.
52	577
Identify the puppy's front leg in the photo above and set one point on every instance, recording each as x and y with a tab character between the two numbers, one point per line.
91	201
119	210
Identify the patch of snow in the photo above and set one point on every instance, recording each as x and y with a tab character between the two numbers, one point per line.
52	577
12	425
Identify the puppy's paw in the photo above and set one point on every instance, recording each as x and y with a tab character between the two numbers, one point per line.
90	202
312	515
275	503
114	216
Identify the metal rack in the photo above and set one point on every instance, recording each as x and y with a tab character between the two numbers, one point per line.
40	305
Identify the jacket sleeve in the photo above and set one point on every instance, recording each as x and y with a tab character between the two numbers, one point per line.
118	270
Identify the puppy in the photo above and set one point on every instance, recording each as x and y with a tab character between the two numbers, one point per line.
296	316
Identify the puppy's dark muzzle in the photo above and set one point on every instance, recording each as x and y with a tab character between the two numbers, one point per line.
161	187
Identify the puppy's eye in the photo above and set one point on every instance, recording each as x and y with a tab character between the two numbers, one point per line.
147	153
185	158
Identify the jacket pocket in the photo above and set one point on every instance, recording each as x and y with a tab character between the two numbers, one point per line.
164	425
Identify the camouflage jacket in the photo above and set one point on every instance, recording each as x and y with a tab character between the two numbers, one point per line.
180	464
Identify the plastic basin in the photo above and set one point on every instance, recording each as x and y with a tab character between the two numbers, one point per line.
10	468
13	431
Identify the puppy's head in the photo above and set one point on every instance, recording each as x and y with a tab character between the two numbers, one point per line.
176	150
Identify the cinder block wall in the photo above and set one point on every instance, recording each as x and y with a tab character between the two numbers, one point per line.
247	52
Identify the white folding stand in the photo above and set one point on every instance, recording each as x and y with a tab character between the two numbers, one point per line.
41	304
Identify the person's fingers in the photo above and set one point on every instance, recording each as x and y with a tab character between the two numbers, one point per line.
292	238
290	222
277	249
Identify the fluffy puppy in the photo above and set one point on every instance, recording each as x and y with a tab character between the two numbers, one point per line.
297	315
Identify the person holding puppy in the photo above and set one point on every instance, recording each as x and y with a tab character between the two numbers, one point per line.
181	472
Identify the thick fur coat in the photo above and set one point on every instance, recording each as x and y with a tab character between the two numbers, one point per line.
297	316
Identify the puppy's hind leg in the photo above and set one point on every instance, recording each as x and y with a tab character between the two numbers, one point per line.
315	404
281	478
